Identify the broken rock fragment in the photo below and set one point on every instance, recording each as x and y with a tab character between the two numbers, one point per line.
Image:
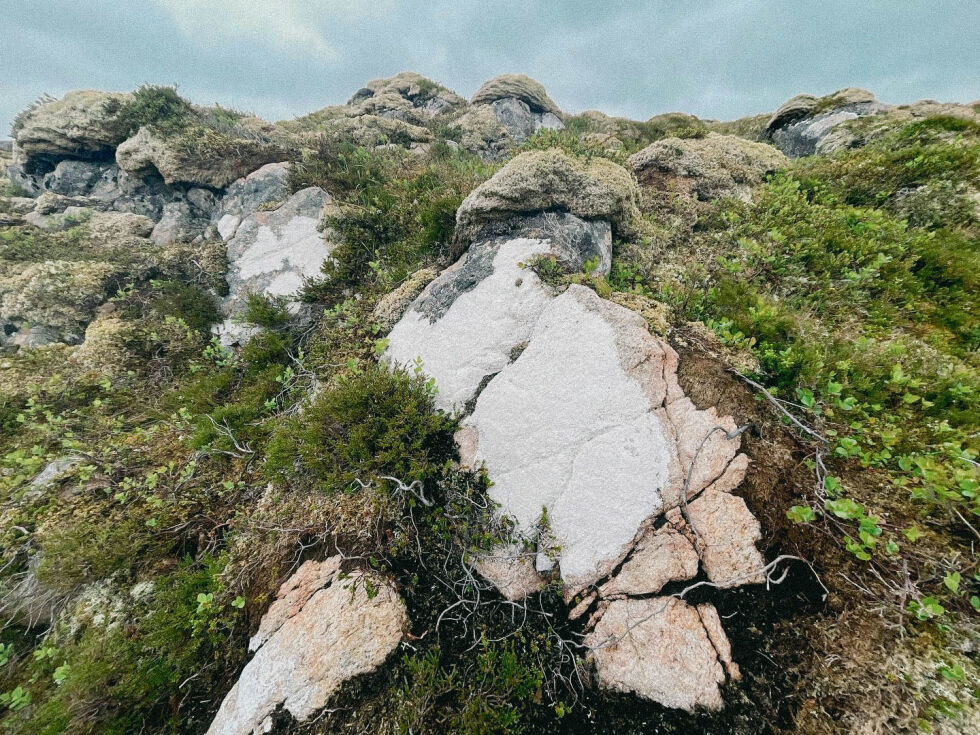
323	629
659	649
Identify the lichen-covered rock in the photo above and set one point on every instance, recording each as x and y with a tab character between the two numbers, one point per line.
79	125
859	131
506	111
196	156
391	306
481	133
800	125
706	168
519	87
407	96
272	253
35	293
660	649
323	629
184	219
545	181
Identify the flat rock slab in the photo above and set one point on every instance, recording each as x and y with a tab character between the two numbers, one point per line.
466	324
662	649
324	629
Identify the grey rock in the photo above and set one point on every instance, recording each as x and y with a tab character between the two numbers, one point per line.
549	181
180	221
520	121
264	186
519	87
800	125
272	253
73	178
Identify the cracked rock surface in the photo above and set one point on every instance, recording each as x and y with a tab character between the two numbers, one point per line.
323	629
575	410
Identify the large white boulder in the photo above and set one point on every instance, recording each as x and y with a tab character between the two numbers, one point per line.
575	410
466	324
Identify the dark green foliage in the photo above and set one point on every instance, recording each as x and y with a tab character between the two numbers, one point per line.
192	304
394	223
371	424
852	280
339	166
265	311
156	106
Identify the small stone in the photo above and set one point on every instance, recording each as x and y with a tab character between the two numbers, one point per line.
315	639
659	557
728	532
659	649
510	568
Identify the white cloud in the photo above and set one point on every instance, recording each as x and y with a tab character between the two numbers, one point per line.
292	27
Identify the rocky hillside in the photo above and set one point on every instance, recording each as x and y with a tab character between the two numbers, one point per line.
423	414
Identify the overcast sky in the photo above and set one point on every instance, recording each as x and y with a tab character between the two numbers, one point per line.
282	58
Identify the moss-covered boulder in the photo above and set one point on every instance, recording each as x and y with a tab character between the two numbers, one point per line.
197	156
550	181
79	125
707	168
516	86
407	96
803	121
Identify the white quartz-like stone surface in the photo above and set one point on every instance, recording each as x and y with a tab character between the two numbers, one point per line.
476	335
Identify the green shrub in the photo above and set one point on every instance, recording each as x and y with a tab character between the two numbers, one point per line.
159	107
371	424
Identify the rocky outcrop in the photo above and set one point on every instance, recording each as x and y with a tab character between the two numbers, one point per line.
595	453
550	181
706	168
323	629
198	156
517	87
263	188
466	324
506	111
79	125
801	123
271	253
407	96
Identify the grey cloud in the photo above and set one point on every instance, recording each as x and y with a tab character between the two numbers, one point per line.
637	58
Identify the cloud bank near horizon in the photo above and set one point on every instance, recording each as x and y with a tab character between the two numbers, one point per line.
716	59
